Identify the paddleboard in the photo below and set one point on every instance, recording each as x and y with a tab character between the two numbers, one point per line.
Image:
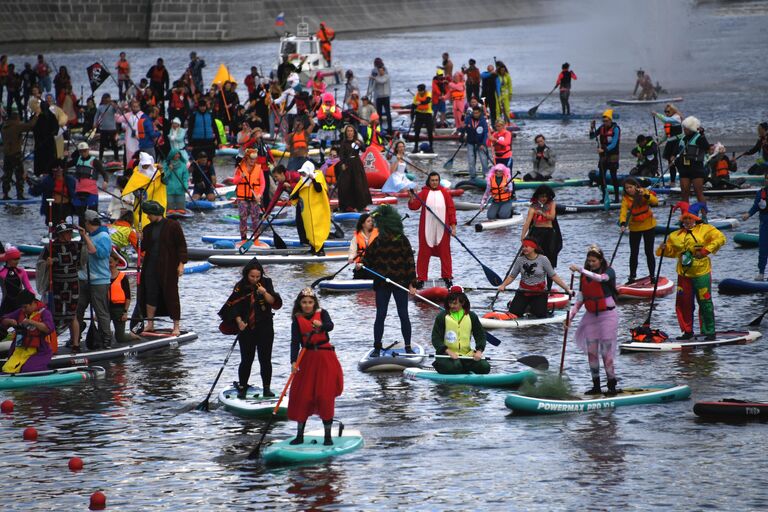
526	321
587	403
643	289
553	183
722	224
202	204
747	239
466	206
313	449
591	206
615	102
253	405
421	155
375	201
238	260
557	300
433	293
499	223
555	116
711	192
731	409
58	377
212	239
346	285
393	359
290	221
227	151
738	287
203	253
198	268
698	341
186	214
30	249
376	167
490	380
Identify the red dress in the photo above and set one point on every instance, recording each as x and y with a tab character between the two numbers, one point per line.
319	378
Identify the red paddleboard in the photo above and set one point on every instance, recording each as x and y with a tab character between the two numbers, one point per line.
643	288
376	167
435	294
557	301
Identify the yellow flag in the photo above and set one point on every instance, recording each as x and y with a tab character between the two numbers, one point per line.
222	75
150	181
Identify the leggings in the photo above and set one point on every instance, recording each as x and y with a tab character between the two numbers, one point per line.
252	342
597	349
108	140
382	304
605	166
634	250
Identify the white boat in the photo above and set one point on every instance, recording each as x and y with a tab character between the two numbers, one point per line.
305	47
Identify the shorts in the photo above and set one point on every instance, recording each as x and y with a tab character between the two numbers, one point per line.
439	106
691	173
202	189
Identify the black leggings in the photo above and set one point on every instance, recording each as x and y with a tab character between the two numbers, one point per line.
605	166
634	249
425	121
382	304
252	342
108	140
535	304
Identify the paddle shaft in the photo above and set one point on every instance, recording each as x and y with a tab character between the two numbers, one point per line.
50	252
207	180
621	235
565	330
658	268
658	150
533	111
449	163
327	278
255	452
470	221
204	404
509	270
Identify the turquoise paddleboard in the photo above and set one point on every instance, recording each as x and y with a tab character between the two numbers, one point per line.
254	405
491	380
313	449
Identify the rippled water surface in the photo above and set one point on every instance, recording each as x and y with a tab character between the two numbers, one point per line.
427	446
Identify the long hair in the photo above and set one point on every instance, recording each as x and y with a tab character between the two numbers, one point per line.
360	221
595	251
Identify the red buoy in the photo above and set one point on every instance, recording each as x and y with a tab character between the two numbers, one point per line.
30	434
7	406
75	464
98	501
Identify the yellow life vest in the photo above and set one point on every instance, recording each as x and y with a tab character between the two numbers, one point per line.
458	334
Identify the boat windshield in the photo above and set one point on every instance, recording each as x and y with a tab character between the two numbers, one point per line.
288	47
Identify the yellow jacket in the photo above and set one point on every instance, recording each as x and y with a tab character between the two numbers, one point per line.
642	218
702	236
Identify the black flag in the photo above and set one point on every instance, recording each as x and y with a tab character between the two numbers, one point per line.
97	75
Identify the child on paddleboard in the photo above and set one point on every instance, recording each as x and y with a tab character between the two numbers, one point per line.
318	376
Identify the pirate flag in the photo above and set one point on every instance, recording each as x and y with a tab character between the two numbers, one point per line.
97	75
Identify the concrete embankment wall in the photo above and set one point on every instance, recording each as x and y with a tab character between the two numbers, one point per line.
156	21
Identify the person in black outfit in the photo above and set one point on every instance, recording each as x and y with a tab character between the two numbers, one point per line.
488	81
250	307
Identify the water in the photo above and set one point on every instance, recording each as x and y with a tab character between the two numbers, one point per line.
427	446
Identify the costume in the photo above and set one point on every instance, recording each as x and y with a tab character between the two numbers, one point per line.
434	235
34	351
453	331
312	200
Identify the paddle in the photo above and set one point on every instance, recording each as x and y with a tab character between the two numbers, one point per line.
495	297
470	221
758	320
207	180
532	111
621	235
448	165
255	452
338	232
565	330
488	289
647	322
328	278
492	276
658	150
203	406
537	362
50	253
493	340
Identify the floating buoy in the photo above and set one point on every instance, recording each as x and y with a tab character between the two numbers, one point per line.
30	434
7	406
98	501
75	464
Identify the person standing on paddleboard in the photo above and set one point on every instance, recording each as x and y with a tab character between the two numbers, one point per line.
636	215
421	116
691	152
535	271
250	306
597	332
452	334
608	138
691	245
541	224
564	81
500	190
673	131
475	133
249	180
438	215
761	205
318	376
761	146
390	254
351	181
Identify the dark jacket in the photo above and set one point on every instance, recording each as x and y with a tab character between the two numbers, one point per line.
392	257
244	298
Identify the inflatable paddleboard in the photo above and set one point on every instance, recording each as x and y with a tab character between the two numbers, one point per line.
631	102
212	239
186	214
376	167
731	409
711	192
739	287
499	322
747	239
203	253
239	260
198	268
698	341
202	204
58	377
511	379
643	289
346	285
393	358
499	223
313	449
590	206
555	116
587	403
253	405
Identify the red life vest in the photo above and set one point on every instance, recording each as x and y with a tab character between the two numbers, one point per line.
606	135
157	74
362	244
594	295
503	149
177	101
305	327
33	336
499	192
672	130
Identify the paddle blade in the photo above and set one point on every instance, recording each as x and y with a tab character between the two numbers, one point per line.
757	321
278	240
448	165
244	248
493	340
492	276
320	280
203	406
532	111
537	362
338	233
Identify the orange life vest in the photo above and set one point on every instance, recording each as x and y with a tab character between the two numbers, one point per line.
641	210
116	292
157	74
251	181
722	169
458	94
140	133
33	337
423	108
305	327
499	192
299	140
330	174
503	150
594	295
123	68
362	244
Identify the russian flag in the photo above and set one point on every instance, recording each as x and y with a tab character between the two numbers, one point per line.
280	20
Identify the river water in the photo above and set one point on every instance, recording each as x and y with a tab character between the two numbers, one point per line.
432	446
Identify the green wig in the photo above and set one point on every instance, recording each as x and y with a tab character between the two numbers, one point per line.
388	220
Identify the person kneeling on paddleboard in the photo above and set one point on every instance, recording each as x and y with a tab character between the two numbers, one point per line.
500	189
452	333
691	245
597	330
318	376
534	268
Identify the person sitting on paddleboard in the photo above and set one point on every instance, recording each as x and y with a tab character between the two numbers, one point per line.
541	224
31	351
597	330
452	334
390	254
636	215
761	205
534	269
318	378
250	306
543	160
501	190
691	245
365	234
